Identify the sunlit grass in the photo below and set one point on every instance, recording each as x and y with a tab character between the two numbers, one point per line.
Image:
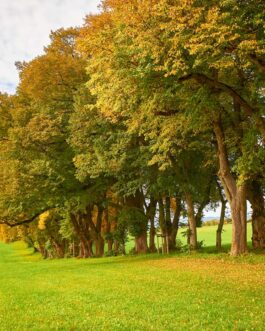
178	292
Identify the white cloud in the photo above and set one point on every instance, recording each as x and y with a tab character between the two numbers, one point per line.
25	26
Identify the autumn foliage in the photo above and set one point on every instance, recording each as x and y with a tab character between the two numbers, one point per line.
146	115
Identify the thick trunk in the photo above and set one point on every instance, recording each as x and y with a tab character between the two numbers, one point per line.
141	244
99	245
137	201
236	195
81	232
239	216
220	226
255	196
58	248
192	241
175	225
96	232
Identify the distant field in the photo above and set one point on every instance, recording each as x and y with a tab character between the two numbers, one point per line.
153	292
207	234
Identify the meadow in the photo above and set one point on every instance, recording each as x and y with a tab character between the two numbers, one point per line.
202	291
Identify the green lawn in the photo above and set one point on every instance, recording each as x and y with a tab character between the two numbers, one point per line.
177	292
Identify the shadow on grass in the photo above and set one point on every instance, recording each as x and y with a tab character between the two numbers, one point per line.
209	252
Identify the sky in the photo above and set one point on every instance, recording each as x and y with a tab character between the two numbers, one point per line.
25	26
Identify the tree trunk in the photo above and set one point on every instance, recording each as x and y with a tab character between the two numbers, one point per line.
85	242
110	245
137	201
151	216
58	248
141	244
99	244
239	216
255	196
175	225
235	193
162	221
220	226
95	230
42	250
192	222
116	246
203	203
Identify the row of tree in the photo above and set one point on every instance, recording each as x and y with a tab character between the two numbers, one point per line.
152	111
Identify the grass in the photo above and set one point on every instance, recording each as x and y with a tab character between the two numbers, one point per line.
152	292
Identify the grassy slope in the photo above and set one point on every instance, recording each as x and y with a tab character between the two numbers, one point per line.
182	292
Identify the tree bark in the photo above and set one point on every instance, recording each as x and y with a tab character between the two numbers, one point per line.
81	233
175	225
141	244
137	201
255	196
220	226
192	222
235	193
203	203
151	216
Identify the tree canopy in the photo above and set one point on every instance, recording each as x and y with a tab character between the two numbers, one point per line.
144	116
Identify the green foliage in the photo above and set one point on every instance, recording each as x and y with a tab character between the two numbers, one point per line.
135	220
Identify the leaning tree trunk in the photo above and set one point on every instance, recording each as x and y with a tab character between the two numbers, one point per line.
192	222
255	196
235	193
220	226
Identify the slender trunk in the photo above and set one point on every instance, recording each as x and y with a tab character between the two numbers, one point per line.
162	221
151	214
220	226
152	245
203	204
255	196
235	193
192	222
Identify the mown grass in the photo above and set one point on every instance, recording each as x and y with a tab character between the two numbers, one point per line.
153	292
